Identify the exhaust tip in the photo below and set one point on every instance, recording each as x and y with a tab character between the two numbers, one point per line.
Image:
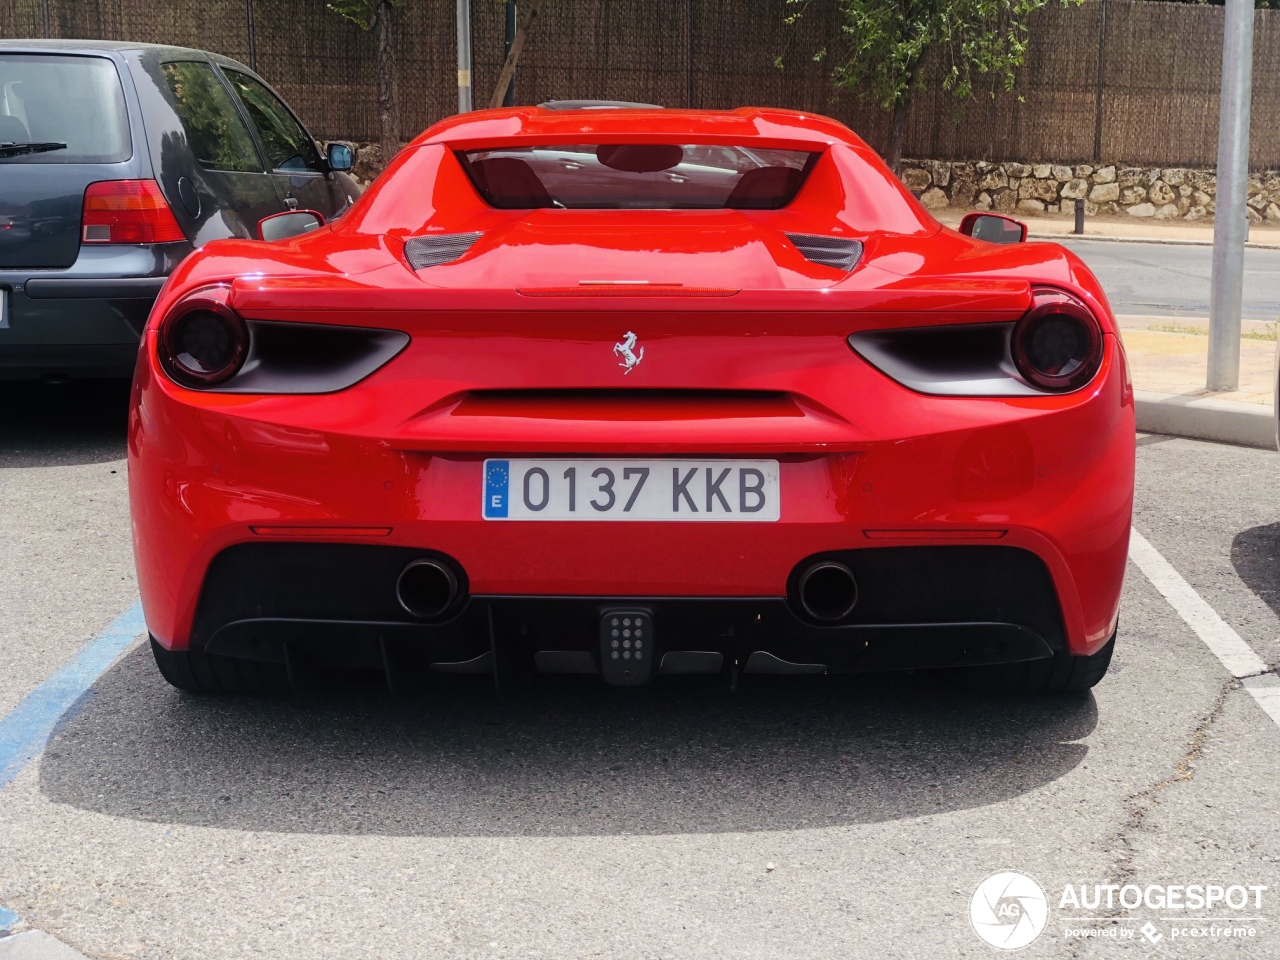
426	588
827	591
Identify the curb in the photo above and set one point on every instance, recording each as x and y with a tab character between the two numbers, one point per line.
1206	418
1175	241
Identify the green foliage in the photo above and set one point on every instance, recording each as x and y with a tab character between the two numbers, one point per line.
216	134
888	42
363	13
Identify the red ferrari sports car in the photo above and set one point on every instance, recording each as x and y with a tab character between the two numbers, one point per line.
631	392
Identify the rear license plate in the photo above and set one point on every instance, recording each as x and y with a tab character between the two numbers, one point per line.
716	490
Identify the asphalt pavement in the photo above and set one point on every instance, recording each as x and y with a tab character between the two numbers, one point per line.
815	819
1165	279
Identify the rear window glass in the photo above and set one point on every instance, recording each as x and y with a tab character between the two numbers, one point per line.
216	133
73	106
624	176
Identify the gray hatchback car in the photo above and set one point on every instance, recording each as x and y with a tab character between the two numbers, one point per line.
116	161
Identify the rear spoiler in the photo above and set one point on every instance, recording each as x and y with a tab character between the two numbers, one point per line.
949	299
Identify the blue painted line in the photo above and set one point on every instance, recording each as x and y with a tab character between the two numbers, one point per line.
8	920
27	728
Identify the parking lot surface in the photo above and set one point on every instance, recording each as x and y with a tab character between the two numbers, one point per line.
1163	279
832	817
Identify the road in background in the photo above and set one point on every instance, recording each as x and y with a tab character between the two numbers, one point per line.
805	819
1172	279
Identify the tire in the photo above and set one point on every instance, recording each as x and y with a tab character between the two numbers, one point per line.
198	672
1060	674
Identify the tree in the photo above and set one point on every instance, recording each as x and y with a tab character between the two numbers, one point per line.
526	13
892	43
377	15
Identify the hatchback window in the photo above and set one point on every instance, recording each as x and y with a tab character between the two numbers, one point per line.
64	109
287	145
215	131
638	176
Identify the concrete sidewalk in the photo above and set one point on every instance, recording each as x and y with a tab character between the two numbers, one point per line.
1169	357
36	945
1126	228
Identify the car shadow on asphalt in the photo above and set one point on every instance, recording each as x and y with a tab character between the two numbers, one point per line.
560	759
62	424
1255	553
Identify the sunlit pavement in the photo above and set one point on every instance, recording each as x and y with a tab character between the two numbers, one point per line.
824	818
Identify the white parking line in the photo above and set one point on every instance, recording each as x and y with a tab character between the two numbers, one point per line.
1228	646
1266	690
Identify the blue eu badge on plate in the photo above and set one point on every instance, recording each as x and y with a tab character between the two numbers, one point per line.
497	473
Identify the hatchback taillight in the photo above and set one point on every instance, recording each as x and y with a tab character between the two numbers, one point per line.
127	211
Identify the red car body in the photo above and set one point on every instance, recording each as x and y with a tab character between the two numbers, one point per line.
979	528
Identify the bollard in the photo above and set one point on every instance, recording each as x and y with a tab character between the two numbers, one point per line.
1079	217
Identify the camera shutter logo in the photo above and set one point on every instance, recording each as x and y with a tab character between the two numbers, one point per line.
1008	910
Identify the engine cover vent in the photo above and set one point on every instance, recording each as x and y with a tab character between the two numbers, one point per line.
835	252
431	251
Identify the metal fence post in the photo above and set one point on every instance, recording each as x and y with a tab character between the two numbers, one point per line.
464	56
509	98
688	53
253	46
1097	95
1230	221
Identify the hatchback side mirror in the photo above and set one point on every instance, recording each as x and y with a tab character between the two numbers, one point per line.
339	156
993	227
291	223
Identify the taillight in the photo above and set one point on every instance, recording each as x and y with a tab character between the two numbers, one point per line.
127	211
1057	346
203	342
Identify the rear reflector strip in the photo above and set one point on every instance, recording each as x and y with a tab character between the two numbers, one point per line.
917	534
127	211
321	533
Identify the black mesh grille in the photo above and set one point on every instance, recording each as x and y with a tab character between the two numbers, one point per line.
311	581
829	251
955	584
917	607
423	252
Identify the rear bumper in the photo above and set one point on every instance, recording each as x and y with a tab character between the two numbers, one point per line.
918	607
1055	486
73	337
86	320
58	361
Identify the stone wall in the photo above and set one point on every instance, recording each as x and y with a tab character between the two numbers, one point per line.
1172	193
